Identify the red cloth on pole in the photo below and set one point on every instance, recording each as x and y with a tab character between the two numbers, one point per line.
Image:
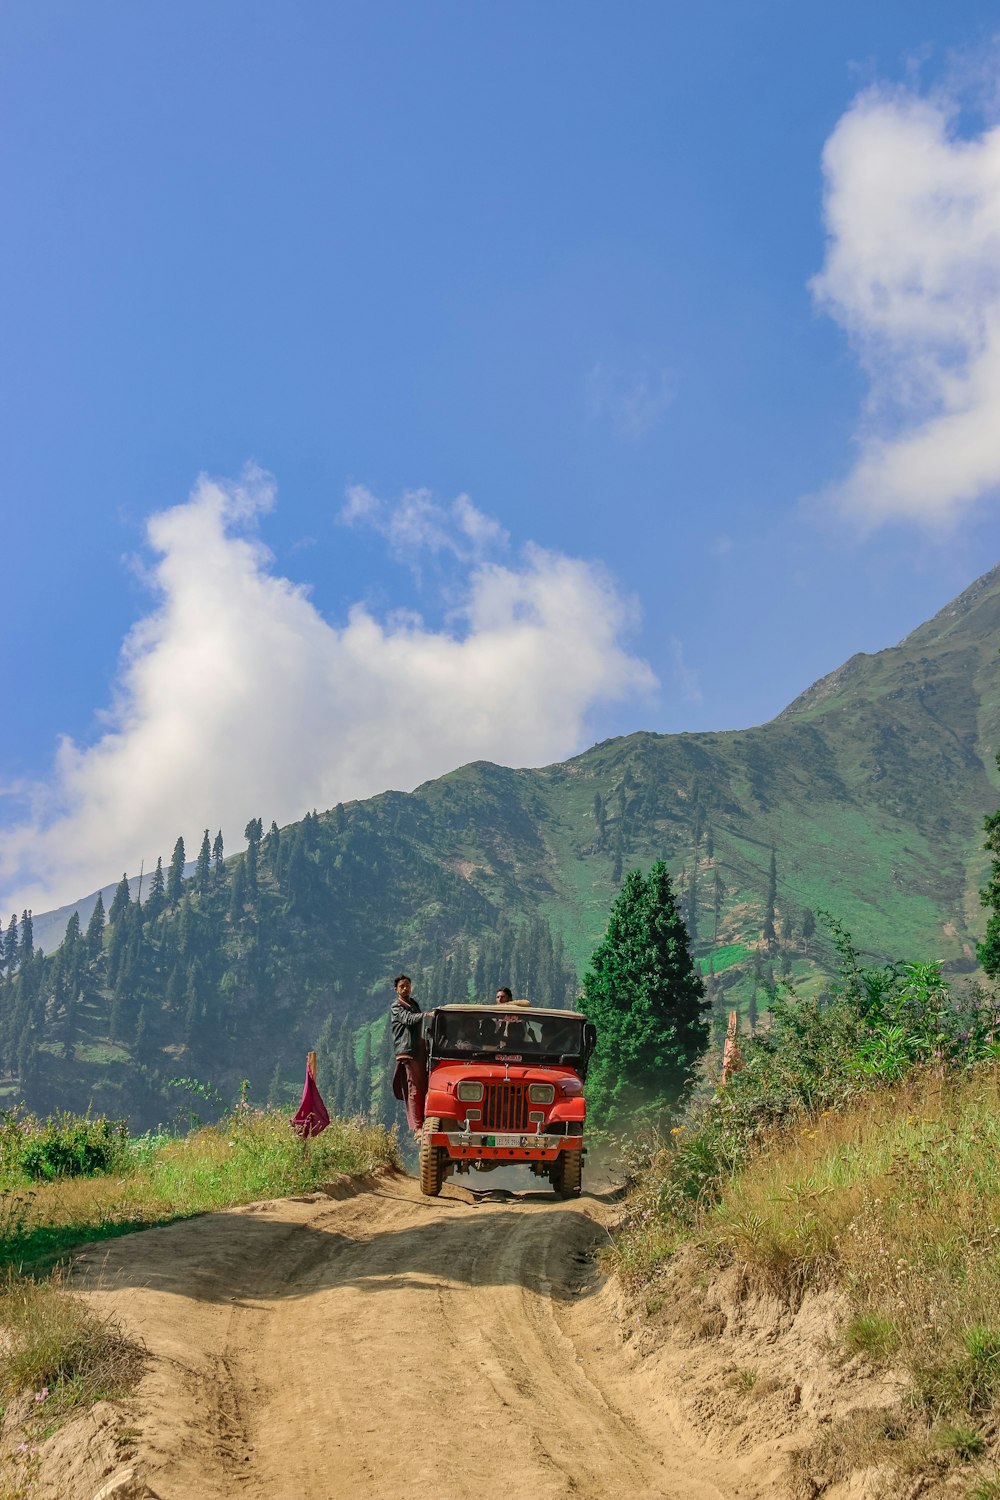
311	1116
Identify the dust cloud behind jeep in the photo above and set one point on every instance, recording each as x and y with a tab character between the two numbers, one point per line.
505	1085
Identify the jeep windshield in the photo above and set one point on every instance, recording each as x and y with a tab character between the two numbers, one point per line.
532	1037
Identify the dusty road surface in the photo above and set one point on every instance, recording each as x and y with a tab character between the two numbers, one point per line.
383	1345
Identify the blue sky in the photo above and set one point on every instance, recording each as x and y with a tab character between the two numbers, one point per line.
557	371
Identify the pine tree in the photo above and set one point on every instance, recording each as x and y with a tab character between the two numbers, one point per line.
122	901
646	998
157	898
809	928
988	951
203	867
253	833
175	875
10	947
27	949
218	860
271	847
95	928
768	932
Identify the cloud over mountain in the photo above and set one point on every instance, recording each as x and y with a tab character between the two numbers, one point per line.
236	698
912	272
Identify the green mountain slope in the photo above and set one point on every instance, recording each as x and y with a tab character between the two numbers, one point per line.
870	789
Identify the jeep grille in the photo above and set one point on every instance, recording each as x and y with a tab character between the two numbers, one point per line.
505	1107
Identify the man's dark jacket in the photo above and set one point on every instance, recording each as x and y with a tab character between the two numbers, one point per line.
405	1022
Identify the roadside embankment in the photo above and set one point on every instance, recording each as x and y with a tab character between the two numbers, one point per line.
831	1299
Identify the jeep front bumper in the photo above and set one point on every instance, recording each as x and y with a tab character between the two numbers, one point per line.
504	1145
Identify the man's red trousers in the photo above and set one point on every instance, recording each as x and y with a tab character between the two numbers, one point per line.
409	1083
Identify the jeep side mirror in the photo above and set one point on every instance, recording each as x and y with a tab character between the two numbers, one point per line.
589	1037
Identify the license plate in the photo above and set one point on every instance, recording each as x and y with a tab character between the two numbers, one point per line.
508	1140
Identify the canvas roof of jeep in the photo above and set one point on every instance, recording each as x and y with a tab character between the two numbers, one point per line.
510	1008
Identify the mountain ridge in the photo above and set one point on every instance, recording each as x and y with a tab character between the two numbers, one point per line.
868	793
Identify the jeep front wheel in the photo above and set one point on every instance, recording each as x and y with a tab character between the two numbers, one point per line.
567	1178
431	1165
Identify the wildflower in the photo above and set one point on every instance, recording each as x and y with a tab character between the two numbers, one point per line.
677	1130
43	1394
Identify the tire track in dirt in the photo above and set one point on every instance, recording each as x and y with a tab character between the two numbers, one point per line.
386	1345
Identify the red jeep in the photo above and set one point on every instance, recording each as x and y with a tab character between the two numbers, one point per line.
504	1086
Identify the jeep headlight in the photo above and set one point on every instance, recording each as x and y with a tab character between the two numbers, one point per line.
469	1092
541	1093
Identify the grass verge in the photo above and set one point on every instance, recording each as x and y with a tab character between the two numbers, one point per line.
57	1357
249	1155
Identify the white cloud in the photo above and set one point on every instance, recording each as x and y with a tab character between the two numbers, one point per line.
912	272
236	698
634	405
418	523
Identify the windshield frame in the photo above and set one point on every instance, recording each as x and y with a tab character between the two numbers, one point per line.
444	1026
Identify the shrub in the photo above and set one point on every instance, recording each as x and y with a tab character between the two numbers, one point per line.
60	1146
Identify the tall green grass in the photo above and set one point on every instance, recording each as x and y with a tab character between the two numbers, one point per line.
250	1154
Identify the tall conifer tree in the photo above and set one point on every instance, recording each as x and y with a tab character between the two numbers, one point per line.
203	867
988	951
95	928
122	901
175	875
10	949
646	998
157	898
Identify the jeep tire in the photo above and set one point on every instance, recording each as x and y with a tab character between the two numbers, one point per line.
567	1174
431	1165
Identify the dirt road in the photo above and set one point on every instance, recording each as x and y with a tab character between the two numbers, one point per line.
384	1345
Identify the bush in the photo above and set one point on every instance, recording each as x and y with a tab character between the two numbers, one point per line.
66	1146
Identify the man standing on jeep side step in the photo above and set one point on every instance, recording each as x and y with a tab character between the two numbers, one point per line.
409	1078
